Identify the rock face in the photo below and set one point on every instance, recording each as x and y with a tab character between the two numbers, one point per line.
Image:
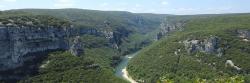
115	36
244	34
108	34
231	64
77	47
166	27
209	45
20	38
16	42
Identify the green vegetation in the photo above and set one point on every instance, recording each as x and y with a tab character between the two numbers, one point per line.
133	29
19	19
157	63
92	41
131	32
93	67
98	19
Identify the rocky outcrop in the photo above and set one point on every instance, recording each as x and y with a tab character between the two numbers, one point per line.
16	42
108	34
209	45
244	34
229	63
82	31
21	35
167	26
114	35
77	47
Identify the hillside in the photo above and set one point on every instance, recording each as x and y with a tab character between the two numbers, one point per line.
210	48
138	29
22	19
76	45
40	44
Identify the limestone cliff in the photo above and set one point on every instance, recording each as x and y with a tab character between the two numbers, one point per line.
209	45
167	27
244	34
77	47
16	42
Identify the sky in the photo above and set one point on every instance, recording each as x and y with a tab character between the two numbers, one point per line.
178	7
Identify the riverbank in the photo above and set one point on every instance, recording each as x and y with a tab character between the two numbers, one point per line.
121	69
127	77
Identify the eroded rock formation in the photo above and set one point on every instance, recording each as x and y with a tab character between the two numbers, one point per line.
167	26
231	64
244	34
77	47
16	42
209	45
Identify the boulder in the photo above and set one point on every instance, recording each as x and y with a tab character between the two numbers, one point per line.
229	63
243	34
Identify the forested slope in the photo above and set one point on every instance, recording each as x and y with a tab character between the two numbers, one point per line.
209	49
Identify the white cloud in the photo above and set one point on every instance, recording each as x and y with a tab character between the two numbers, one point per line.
190	11
137	5
104	4
134	9
64	3
7	0
152	10
121	9
1	6
164	3
124	4
218	10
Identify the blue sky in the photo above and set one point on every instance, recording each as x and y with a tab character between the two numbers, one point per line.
138	6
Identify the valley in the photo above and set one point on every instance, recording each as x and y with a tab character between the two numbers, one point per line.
208	48
121	68
76	45
92	46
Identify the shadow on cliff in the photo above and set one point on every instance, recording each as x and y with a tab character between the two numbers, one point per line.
29	68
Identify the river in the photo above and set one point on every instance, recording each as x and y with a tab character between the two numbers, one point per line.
121	70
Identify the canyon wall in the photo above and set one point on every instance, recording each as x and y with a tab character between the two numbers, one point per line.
16	42
166	27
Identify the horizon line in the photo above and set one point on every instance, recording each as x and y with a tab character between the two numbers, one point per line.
125	11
